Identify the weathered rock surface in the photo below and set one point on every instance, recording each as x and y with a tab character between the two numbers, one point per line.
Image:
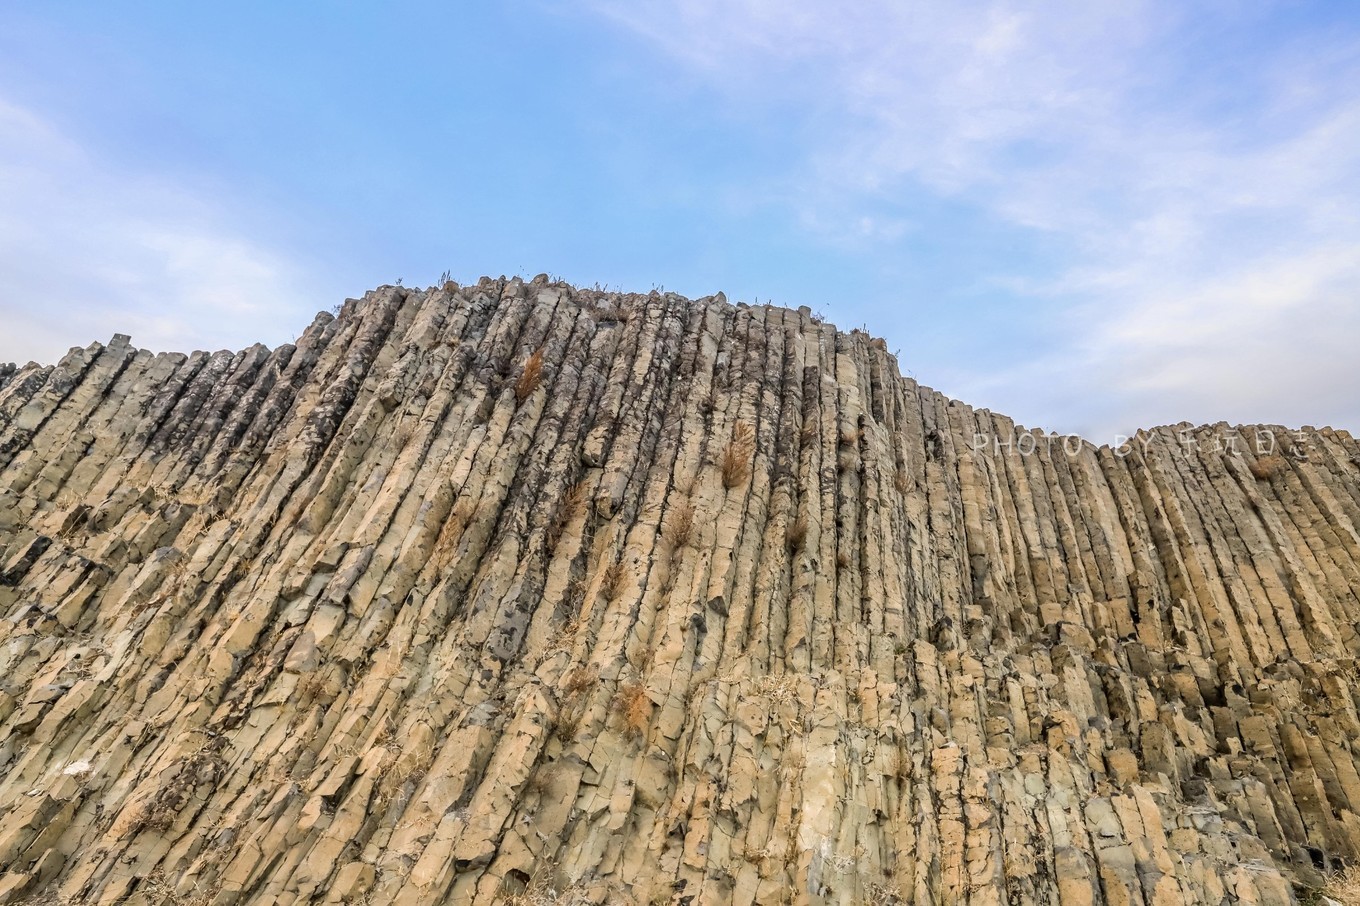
717	608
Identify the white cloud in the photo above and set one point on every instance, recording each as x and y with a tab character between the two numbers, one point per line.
1272	341
1215	226
89	249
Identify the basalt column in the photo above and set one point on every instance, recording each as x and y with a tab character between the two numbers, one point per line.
520	590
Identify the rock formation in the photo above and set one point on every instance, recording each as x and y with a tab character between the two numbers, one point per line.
522	591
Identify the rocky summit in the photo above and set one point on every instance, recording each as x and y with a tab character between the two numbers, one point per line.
521	593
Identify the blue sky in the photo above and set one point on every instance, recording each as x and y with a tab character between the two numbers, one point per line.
1088	216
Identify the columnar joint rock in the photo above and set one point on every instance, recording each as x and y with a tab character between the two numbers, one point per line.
517	587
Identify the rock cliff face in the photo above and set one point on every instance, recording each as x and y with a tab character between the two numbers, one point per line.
518	590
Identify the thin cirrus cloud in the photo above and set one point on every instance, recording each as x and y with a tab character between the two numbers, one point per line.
1199	172
89	250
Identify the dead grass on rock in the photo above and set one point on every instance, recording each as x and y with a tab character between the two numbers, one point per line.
611	583
542	892
737	455
1344	886
530	377
680	526
576	685
632	704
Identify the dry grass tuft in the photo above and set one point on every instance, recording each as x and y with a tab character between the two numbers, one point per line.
575	686
843	559
387	732
542	893
322	685
679	528
530	377
883	895
310	685
796	534
565	638
579	679
463	513
541	781
160	813
575	498
569	723
1267	467
401	777
157	890
756	856
777	688
612	581
737	456
1344	886
632	704
777	693
572	504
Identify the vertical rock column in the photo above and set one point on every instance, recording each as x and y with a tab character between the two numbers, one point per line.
516	586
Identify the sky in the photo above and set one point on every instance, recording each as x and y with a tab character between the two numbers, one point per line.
1088	216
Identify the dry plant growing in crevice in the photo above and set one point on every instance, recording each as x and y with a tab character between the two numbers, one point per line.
1267	467
777	693
577	682
321	685
737	455
575	500
402	776
578	679
463	512
882	895
530	377
1343	886
679	527
564	638
541	781
572	503
795	536
542	892
632	704
568	724
179	782
155	889
611	583
776	688
387	732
